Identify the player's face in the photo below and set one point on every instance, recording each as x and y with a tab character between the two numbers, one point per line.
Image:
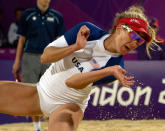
127	41
44	2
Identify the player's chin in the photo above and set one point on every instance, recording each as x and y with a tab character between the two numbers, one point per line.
123	51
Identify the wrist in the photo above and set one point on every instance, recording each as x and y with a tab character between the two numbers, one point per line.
109	71
17	61
75	47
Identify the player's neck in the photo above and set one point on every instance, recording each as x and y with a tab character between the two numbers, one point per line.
109	44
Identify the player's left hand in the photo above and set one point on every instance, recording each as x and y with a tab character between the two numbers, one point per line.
120	74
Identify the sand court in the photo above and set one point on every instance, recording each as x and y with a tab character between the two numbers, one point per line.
110	125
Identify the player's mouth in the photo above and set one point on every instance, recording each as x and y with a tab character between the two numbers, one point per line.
127	48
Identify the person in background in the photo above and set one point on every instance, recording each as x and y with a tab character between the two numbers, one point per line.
3	40
12	33
157	52
38	27
154	23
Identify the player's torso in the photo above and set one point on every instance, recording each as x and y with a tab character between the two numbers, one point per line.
84	60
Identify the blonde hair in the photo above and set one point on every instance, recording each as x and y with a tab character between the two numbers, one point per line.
137	12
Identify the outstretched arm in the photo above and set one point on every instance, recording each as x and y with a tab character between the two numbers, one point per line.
81	80
53	54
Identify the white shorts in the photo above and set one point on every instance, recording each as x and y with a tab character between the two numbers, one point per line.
53	92
49	104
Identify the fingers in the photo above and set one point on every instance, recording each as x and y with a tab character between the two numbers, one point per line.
85	31
123	71
127	81
128	78
13	71
82	37
120	73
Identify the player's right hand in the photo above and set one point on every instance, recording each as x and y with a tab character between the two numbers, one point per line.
16	68
82	37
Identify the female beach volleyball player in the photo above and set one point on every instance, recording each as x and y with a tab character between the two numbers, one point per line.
83	56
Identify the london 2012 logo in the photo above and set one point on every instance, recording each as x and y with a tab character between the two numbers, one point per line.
115	94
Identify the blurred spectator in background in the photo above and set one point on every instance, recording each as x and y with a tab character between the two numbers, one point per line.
3	40
38	27
12	33
157	52
155	25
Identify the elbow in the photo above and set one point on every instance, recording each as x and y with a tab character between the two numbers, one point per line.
74	85
69	83
43	59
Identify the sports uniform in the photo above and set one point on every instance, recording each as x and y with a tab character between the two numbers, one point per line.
52	89
39	29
